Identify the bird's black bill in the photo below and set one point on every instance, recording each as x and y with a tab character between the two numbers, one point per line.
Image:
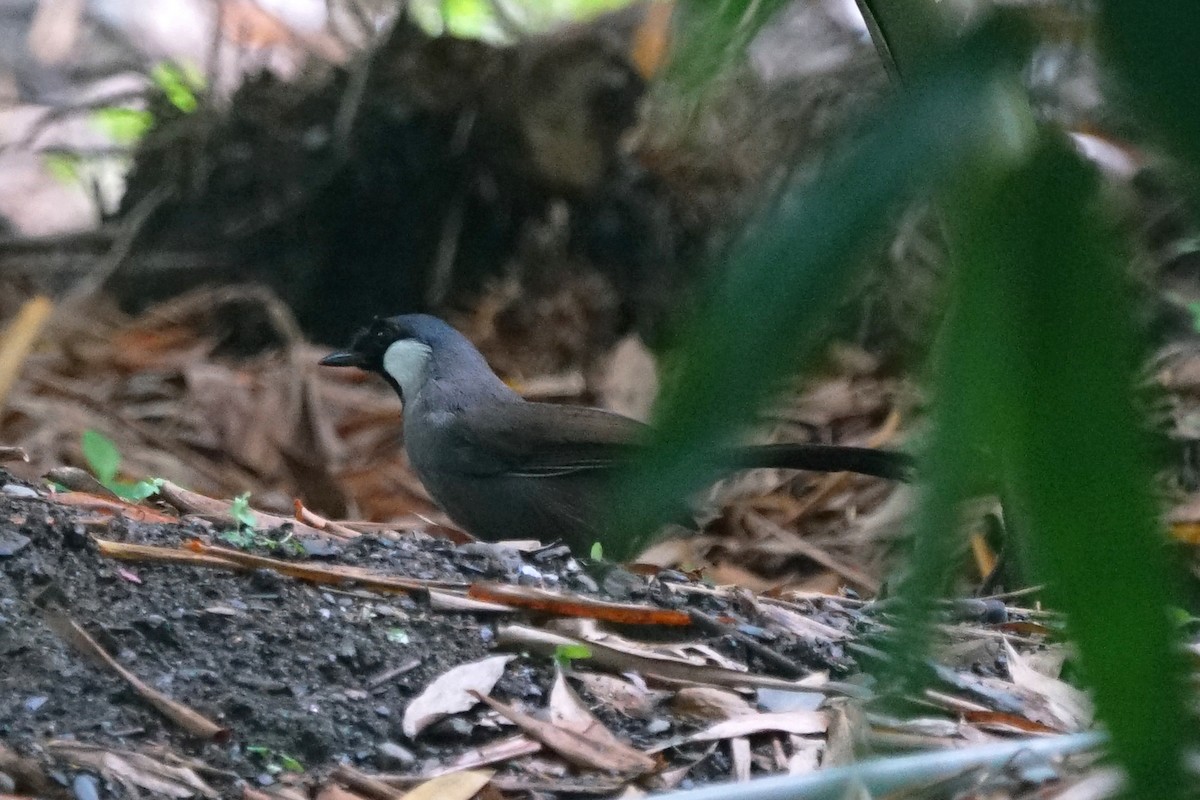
343	358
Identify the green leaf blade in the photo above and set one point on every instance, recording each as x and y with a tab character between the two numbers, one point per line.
101	454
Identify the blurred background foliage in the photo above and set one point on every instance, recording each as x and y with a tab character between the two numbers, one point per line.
1035	375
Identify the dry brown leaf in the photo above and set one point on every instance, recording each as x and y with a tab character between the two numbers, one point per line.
18	339
460	602
1071	707
796	623
629	377
799	723
111	507
136	769
805	757
569	605
624	696
450	693
607	754
847	729
331	791
492	753
369	785
568	712
739	756
707	702
455	786
643	660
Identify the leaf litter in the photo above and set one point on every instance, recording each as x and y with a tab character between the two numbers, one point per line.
348	605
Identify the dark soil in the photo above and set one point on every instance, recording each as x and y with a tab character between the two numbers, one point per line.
288	666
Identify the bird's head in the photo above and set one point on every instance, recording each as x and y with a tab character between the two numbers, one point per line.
407	350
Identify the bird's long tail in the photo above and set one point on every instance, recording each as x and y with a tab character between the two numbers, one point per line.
827	458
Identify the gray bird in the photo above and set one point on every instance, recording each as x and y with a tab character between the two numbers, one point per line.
503	467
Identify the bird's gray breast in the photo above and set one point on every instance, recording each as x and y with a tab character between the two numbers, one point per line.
472	479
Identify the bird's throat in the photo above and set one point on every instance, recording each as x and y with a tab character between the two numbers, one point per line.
407	363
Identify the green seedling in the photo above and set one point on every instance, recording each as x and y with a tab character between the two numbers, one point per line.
104	460
274	761
63	167
240	510
123	125
246	537
564	654
597	551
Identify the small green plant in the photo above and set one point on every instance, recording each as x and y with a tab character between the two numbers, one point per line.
63	167
123	125
275	761
246	538
564	654
240	510
180	84
597	551
104	460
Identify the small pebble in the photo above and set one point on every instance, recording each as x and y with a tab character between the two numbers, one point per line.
84	787
392	755
7	784
35	702
12	543
14	490
586	583
383	711
657	725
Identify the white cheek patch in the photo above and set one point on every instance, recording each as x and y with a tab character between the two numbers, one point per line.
405	361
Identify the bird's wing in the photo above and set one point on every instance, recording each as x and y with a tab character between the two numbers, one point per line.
546	440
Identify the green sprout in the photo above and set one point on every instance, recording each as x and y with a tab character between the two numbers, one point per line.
123	125
597	551
63	167
275	761
180	84
240	510
104	460
564	654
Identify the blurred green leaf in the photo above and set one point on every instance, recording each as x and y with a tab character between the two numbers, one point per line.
123	125
1076	456
63	167
290	763
180	84
714	36
1154	45
905	33
479	19
1037	371
102	456
767	308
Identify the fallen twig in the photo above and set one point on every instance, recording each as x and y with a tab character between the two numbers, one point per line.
191	721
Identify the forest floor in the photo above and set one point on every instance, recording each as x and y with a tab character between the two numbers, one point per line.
341	663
